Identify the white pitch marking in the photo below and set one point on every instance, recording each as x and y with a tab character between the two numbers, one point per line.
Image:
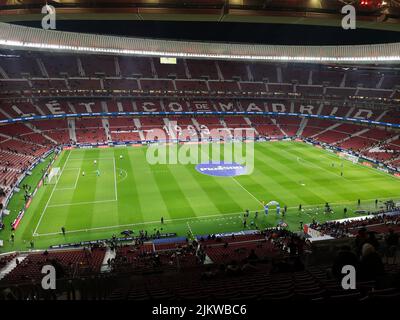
115	180
194	219
190	229
144	223
246	190
83	159
79	203
76	181
51	194
124	176
77	178
361	166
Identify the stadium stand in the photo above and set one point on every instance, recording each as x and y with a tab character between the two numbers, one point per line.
274	263
279	265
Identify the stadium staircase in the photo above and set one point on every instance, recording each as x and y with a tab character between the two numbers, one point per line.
11	265
71	130
42	68
325	130
71	107
117	67
106	126
109	255
385	142
278	126
3	73
391	139
381	115
224	125
358	133
104	107
138	125
36	130
279	74
196	124
80	67
168	124
187	72
247	120
5	113
303	124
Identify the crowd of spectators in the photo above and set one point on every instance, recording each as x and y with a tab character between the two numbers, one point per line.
340	229
287	241
139	256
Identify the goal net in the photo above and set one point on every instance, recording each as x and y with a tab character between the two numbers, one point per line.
350	157
53	176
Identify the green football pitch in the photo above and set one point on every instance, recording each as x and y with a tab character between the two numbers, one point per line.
129	193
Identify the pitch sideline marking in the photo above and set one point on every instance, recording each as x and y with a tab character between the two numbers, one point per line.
83	159
220	215
51	195
147	222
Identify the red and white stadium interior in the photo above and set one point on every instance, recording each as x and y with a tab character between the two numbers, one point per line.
52	97
37	84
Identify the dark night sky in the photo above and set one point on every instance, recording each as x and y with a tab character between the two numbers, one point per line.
231	32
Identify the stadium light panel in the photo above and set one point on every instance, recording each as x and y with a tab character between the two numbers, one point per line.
167	60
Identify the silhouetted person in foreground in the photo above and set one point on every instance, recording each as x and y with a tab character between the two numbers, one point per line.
371	266
344	257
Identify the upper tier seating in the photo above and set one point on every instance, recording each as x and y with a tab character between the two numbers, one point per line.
79	72
135	67
16	67
102	65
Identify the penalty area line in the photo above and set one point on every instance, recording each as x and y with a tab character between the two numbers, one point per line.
51	194
252	195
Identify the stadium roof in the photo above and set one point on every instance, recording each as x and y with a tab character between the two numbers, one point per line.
376	14
20	37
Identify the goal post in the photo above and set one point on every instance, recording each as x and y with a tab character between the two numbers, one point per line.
53	176
350	157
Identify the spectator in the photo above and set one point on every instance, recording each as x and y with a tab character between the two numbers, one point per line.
360	240
372	240
371	266
392	239
392	243
344	257
252	256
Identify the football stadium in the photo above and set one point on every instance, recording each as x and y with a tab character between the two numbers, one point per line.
156	160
